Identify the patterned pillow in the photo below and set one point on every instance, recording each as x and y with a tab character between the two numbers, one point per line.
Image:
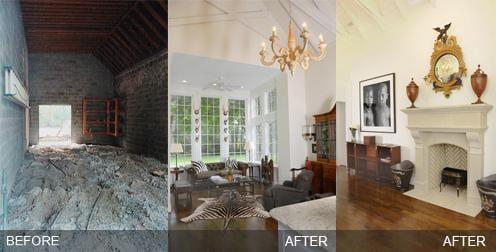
233	163
198	166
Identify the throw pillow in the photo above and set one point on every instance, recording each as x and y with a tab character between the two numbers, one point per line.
233	163
198	166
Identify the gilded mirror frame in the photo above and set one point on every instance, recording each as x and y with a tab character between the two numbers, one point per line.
441	48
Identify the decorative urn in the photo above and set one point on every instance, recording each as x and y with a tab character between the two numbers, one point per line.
412	91
479	82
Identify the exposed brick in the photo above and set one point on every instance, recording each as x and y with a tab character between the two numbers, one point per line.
67	78
144	89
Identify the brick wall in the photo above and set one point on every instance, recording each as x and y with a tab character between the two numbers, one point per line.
12	116
144	88
65	79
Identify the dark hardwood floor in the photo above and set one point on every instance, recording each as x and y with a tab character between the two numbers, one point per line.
250	234
375	217
364	204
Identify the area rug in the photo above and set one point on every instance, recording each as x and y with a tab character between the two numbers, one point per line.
230	205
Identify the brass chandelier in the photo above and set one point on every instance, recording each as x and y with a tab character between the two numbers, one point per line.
293	54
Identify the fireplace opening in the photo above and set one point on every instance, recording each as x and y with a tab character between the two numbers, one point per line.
442	156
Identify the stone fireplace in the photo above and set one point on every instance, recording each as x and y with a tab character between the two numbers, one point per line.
450	136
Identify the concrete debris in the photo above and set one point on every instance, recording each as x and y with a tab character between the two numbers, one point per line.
86	187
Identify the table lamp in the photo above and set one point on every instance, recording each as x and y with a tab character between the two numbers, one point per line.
175	149
248	147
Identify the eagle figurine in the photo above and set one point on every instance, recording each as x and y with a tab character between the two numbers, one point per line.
443	36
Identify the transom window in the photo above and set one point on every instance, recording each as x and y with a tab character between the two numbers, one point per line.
210	129
257	107
181	126
237	136
271	101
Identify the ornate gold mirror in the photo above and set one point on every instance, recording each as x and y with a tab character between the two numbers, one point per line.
447	66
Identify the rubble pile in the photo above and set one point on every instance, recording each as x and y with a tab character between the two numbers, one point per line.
87	187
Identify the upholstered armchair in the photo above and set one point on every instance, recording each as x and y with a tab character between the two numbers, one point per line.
290	192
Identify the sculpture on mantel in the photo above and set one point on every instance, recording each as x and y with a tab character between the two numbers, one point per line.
479	82
412	91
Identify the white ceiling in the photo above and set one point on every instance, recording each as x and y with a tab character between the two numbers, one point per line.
258	16
198	72
355	18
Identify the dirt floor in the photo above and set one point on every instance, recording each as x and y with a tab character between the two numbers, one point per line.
86	187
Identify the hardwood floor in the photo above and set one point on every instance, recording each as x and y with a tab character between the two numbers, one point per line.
364	204
250	234
375	217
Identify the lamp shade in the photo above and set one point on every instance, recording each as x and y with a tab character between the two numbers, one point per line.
249	146
176	148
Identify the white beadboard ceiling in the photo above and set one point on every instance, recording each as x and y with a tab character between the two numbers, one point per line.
355	17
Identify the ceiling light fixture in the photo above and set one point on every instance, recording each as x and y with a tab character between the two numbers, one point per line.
184	81
293	54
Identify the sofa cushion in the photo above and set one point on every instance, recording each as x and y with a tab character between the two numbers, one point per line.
206	174
216	166
198	166
224	172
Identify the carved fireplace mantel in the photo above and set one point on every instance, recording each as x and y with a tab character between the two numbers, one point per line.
463	126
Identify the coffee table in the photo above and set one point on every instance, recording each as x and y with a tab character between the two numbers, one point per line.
239	183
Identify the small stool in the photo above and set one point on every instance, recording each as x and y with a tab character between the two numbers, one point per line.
487	192
183	186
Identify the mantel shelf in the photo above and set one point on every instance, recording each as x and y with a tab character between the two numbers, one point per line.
456	108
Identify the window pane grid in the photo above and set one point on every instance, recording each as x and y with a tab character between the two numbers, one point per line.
210	129
259	143
181	127
237	129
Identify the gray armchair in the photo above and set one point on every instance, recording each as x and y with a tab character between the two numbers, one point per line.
290	192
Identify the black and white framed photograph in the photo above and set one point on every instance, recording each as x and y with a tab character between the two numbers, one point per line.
378	105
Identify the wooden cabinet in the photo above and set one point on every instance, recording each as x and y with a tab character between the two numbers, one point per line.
325	167
372	160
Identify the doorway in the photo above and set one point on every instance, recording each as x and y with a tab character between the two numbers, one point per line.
54	125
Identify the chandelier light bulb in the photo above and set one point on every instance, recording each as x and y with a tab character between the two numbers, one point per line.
304	25
274	30
321	38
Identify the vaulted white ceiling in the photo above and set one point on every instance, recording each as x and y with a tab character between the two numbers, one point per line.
356	17
257	17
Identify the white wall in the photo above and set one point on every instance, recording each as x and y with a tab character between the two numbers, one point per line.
405	46
320	89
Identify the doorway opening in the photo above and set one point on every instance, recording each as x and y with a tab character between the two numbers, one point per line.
54	125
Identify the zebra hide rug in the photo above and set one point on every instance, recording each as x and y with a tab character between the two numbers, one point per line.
230	205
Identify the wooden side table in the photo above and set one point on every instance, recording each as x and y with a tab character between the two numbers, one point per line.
177	172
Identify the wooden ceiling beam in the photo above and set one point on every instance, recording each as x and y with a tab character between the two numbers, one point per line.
142	30
139	50
160	18
130	51
135	34
150	25
117	52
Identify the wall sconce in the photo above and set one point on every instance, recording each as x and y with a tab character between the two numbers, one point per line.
308	133
196	108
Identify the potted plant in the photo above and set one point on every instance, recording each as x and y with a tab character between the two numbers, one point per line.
229	168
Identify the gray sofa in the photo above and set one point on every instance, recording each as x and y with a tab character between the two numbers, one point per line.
289	192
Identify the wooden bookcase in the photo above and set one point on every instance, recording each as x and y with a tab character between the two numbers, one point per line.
102	117
372	160
324	168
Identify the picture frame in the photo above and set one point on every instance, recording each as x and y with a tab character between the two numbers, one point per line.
378	104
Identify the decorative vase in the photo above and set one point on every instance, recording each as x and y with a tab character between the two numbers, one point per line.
412	91
479	82
229	178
